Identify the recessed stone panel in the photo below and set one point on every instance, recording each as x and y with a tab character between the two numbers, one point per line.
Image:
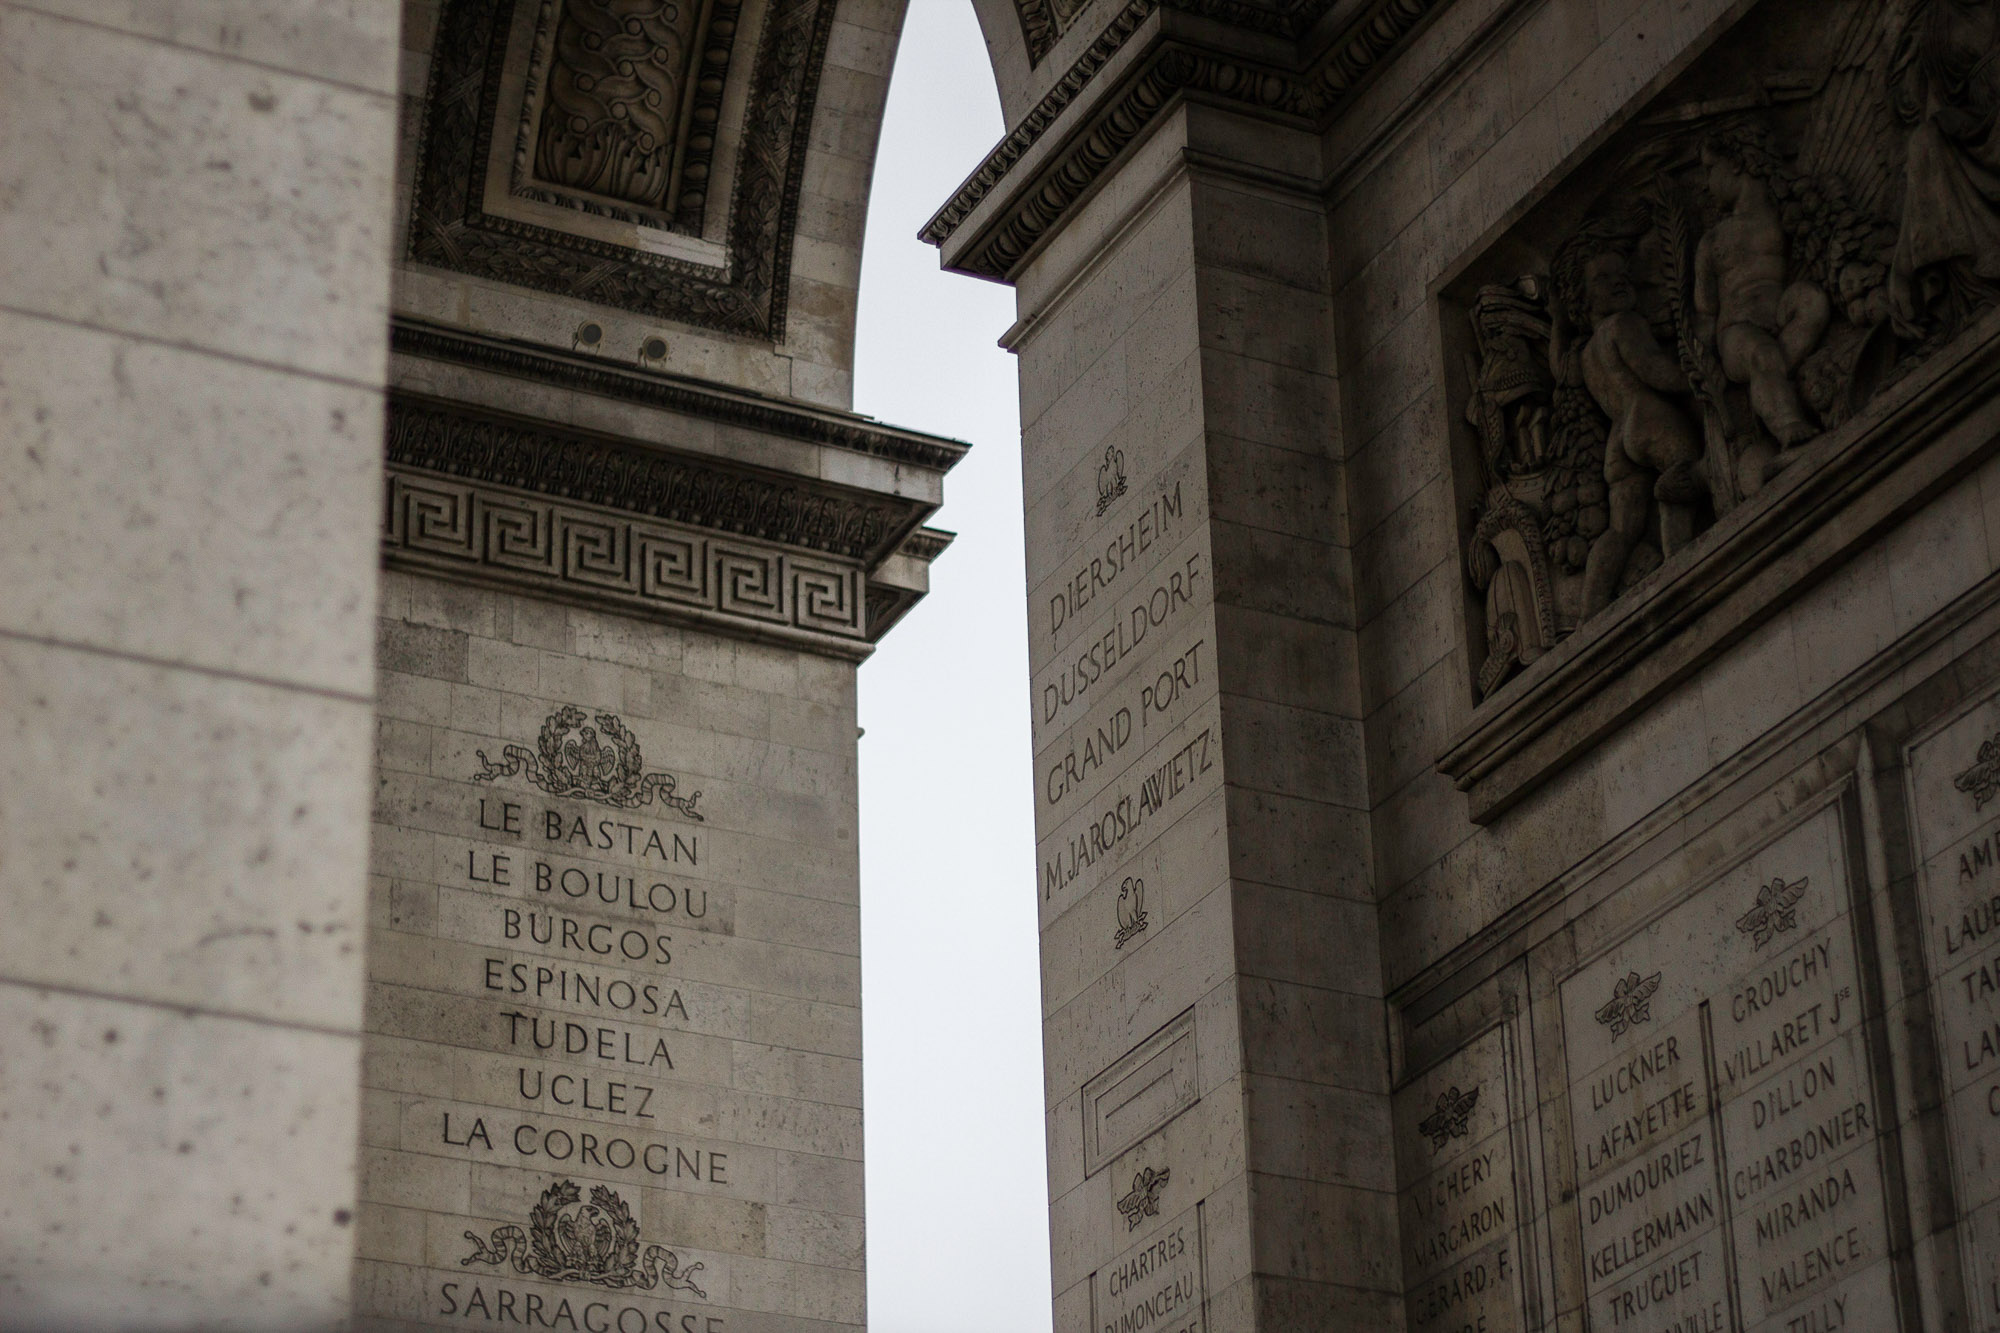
1954	777
1143	1090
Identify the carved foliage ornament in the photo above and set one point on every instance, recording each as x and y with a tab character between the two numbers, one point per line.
613	116
597	1243
602	763
1809	213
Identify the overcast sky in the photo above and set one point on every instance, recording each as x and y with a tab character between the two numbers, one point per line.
957	1192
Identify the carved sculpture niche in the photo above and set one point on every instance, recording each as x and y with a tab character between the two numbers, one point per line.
1810	212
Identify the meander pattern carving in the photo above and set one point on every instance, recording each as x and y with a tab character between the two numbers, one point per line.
610	557
1776	244
444	440
450	228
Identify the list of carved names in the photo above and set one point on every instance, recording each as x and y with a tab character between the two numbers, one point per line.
1723	1118
1460	1215
1955	784
532	1009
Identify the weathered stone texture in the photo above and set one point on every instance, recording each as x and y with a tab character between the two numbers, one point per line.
193	288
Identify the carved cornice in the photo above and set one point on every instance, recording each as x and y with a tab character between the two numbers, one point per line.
1846	490
449	227
926	544
448	440
1042	26
1169	70
676	394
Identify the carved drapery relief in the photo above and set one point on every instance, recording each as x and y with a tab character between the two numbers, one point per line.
1810	212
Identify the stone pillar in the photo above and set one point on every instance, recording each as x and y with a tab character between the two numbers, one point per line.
193	290
1213	1021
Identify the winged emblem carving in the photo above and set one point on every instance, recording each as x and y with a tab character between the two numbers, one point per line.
1631	1003
1144	1200
1982	779
1452	1118
1775	911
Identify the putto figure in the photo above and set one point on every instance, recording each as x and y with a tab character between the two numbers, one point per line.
1651	450
1737	277
1762	325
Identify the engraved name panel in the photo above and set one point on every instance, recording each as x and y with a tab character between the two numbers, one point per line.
1461	1214
1724	1122
1954	777
1159	1285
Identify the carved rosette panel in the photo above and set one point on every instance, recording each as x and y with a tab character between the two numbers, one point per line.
620	104
1806	215
612	112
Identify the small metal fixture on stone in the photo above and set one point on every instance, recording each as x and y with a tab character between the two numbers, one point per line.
601	763
569	1240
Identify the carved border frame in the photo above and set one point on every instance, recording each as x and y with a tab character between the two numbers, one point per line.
450	230
447	439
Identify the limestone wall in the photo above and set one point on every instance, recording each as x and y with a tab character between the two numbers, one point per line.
193	287
1595	929
659	1000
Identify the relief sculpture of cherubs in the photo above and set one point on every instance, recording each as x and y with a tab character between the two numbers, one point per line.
1652	451
1761	326
1805	216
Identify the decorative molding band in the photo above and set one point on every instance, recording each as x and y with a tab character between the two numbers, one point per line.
675	394
447	440
1042	26
1171	69
450	229
575	552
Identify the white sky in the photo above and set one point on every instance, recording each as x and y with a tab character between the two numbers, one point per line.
957	1192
